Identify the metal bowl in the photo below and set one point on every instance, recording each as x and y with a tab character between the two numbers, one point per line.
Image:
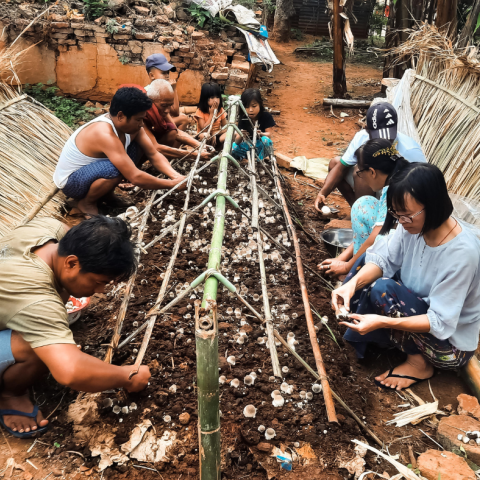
336	240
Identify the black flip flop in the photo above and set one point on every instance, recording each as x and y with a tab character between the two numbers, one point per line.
391	374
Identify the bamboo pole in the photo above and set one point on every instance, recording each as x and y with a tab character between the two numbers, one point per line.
263	277
128	289
40	204
339	79
207	366
327	393
168	272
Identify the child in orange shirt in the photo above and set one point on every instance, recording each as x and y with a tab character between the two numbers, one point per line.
211	99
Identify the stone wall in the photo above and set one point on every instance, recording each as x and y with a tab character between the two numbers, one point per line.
90	59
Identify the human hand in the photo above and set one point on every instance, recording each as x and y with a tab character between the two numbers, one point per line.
207	154
342	295
139	381
364	324
319	201
178	179
333	266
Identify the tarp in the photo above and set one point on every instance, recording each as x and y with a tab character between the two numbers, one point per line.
243	15
260	50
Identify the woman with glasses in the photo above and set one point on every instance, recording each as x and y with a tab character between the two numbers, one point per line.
378	161
417	289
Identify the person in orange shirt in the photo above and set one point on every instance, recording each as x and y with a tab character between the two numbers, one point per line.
211	100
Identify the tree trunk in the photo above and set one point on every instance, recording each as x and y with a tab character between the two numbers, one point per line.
447	17
283	15
431	11
339	79
467	31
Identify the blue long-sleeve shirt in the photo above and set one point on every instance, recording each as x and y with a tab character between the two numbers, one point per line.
446	277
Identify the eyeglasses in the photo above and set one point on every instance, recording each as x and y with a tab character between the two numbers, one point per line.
358	172
404	218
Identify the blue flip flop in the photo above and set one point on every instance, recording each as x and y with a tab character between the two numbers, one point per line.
31	434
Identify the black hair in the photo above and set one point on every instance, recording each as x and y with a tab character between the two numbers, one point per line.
426	184
102	246
384	162
250	95
209	90
129	101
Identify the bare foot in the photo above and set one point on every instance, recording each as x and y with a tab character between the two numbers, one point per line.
18	423
415	366
85	207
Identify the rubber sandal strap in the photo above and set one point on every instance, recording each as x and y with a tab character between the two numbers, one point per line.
415	379
21	414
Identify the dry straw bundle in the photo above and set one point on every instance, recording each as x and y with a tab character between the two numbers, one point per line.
444	100
31	139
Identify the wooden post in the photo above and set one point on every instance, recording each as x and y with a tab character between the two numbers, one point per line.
339	79
447	16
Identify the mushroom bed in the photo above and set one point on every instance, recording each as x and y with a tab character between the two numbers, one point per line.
296	415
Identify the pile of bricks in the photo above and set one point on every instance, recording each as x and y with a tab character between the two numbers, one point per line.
221	57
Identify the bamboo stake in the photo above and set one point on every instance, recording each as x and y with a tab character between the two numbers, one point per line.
337	397
207	382
327	393
41	203
263	277
128	289
168	272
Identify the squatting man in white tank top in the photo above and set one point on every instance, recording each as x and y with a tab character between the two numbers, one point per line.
100	154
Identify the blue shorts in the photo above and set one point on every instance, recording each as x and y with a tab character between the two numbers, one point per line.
6	355
80	181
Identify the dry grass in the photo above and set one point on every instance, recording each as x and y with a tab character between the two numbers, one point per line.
31	139
444	100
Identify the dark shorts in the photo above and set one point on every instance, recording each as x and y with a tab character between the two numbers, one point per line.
389	297
80	181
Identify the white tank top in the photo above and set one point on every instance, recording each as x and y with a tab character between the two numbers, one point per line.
72	159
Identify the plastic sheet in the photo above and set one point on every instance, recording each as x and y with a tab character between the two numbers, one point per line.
467	212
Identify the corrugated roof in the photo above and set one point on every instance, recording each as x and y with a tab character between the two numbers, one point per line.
312	17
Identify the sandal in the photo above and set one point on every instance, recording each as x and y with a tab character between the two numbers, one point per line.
391	375
32	433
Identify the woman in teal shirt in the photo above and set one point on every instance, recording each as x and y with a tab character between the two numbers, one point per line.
378	161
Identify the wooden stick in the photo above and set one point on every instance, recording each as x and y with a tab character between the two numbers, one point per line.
327	393
31	23
40	204
340	102
168	272
263	277
337	398
128	289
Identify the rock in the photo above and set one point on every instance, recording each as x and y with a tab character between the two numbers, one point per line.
145	35
184	418
58	18
189	86
60	25
445	465
162	19
468	405
265	447
57	472
117	4
219	76
190	29
142	10
242	66
169	12
197	35
450	427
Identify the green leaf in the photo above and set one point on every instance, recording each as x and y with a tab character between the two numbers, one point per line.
478	23
57	445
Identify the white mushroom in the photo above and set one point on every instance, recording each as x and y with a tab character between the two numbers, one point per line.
248	380
235	383
269	433
167	418
326	210
231	360
460	437
173	389
222	379
278	401
261	428
285	369
342	313
286	388
303	394
275	393
107	402
466	439
249	411
133	406
116	409
316	388
253	375
309	395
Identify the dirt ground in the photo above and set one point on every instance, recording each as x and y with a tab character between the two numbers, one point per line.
304	128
